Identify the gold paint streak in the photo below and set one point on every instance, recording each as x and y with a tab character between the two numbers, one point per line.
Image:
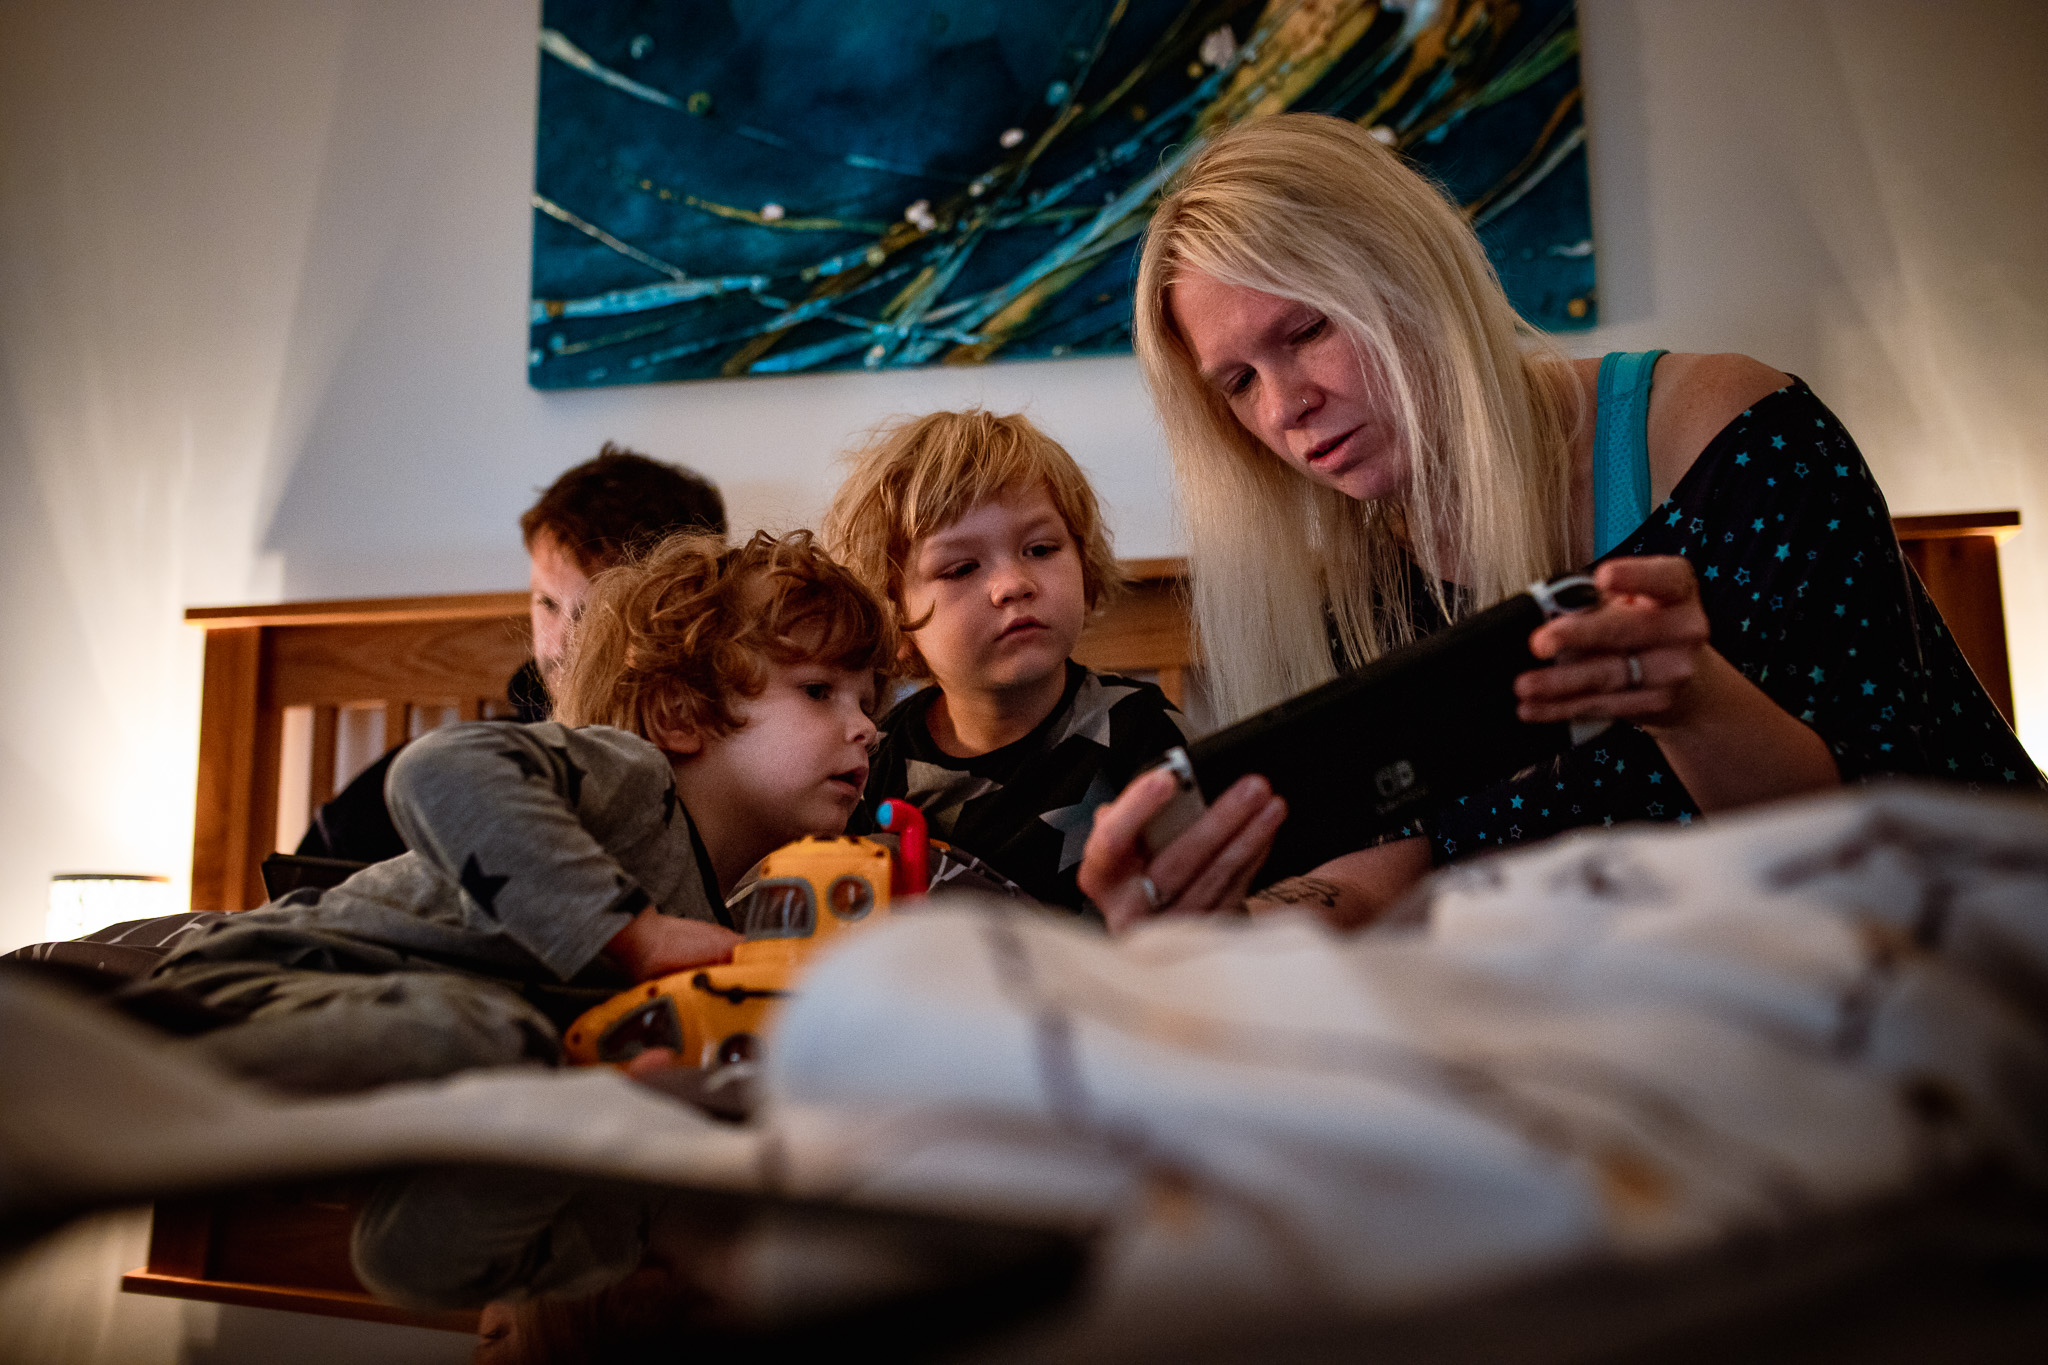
1543	139
741	215
1432	45
1178	38
1308	42
902	234
898	236
996	332
1467	88
918	283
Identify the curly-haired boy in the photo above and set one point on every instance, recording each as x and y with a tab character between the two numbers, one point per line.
715	706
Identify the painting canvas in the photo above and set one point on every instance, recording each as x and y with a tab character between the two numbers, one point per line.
733	187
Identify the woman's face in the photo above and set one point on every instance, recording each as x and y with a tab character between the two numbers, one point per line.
1293	380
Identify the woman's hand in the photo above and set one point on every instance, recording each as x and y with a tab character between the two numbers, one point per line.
1207	869
1636	657
1643	656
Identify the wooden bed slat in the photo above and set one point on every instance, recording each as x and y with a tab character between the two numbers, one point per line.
326	734
235	820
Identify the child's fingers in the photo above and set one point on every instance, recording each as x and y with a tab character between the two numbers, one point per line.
651	1062
680	944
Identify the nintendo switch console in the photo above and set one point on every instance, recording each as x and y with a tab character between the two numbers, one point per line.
1360	756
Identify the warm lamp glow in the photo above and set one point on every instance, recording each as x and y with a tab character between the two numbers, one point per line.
81	902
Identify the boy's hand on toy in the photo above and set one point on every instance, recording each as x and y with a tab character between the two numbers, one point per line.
652	1065
1206	870
724	1092
655	944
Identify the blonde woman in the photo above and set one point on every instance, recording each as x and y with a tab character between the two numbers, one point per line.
1368	442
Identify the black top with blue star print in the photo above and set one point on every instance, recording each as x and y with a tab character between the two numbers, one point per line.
1807	594
1025	809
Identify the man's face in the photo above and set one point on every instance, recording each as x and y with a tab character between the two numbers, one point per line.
558	585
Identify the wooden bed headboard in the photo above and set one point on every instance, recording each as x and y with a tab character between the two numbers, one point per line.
298	697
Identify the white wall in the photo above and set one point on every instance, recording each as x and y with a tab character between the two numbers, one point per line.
263	275
262	292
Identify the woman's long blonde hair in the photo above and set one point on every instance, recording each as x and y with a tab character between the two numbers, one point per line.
1313	209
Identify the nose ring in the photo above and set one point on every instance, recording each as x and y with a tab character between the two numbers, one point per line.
1304	400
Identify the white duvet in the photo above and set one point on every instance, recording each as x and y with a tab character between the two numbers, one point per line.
1625	1044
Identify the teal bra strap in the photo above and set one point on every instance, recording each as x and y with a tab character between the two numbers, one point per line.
1621	447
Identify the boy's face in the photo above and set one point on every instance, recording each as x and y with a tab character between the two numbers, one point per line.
1003	586
558	586
799	760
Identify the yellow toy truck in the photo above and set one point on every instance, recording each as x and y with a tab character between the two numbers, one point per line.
808	893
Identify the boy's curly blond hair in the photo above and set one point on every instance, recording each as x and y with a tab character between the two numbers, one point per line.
673	640
917	476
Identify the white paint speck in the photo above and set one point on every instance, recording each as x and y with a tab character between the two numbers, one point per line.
1219	47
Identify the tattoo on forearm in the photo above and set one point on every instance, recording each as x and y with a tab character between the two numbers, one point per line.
1316	891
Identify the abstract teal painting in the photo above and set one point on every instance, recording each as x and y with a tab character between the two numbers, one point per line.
733	187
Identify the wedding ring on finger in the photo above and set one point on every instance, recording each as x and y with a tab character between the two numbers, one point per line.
1145	884
1635	672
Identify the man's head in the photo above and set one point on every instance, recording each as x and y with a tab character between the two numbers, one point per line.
758	664
595	516
919	477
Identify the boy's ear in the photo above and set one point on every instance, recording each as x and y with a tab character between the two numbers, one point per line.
676	739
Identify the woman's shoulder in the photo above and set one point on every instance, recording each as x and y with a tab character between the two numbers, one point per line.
1692	399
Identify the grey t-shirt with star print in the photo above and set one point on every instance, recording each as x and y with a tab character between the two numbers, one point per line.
530	847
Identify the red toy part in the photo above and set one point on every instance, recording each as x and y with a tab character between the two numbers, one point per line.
912	873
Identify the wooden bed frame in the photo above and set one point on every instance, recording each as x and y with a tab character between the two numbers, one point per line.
283	683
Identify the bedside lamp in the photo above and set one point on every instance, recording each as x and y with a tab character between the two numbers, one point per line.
81	902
